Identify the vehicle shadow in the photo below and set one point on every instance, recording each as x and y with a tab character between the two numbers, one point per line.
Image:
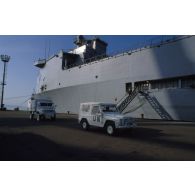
32	147
151	136
144	135
156	136
26	122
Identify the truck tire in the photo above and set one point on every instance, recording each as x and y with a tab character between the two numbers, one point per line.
31	116
39	117
84	124
110	128
53	118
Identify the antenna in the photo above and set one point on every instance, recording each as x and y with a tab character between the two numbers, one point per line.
45	49
49	50
79	40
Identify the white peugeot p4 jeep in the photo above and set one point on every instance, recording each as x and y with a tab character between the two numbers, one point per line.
103	115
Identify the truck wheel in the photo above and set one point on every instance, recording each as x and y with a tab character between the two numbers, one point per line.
53	118
84	124
31	116
110	129
39	117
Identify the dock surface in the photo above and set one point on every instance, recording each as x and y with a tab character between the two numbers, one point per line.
63	139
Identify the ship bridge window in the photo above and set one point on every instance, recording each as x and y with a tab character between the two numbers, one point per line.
69	60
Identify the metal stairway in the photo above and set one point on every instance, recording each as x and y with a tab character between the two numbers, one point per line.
125	101
156	106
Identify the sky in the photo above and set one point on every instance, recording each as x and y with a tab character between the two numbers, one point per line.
25	50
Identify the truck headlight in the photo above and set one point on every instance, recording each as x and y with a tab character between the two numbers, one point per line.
117	123
121	122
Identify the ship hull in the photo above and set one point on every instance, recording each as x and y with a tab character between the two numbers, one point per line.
178	103
166	72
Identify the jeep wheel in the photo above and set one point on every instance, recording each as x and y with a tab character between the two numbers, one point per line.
110	129
84	124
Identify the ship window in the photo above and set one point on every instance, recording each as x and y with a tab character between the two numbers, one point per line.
169	83
188	83
42	88
143	85
69	61
95	110
128	87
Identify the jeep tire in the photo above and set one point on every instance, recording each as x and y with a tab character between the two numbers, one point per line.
110	128
84	124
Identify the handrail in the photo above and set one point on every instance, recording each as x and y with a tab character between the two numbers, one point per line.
122	98
151	43
128	98
157	106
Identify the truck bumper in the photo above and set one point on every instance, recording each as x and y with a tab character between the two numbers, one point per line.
133	125
48	115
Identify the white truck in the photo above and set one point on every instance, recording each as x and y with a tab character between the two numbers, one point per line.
41	109
103	115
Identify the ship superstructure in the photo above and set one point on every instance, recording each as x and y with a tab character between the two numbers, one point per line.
155	81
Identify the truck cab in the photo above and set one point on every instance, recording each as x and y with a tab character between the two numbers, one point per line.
104	115
41	109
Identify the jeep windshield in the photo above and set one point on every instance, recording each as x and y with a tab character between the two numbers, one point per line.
109	108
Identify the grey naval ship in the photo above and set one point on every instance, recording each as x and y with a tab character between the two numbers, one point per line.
155	80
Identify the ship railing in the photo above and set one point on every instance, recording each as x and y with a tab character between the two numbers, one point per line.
151	43
123	98
96	58
136	89
39	61
124	102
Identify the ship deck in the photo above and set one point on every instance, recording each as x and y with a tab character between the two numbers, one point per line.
22	139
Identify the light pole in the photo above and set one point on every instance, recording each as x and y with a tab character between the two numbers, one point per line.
5	59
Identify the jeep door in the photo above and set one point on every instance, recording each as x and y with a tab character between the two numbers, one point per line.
96	116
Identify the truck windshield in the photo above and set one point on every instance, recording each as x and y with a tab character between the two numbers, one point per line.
46	104
109	108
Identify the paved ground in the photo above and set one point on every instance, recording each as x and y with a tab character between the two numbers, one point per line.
22	139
